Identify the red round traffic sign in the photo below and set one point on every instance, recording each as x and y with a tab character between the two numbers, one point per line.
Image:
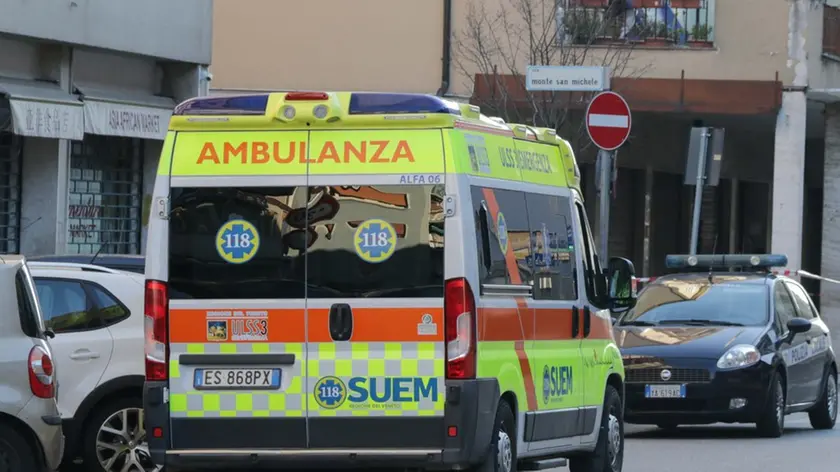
608	120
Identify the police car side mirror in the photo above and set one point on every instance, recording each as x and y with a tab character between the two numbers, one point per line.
798	325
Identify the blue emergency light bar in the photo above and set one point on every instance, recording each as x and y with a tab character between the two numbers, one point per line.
233	105
725	261
369	103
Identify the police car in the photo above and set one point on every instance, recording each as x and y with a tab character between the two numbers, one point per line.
727	341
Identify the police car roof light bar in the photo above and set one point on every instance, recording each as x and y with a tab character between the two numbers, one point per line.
725	261
369	103
233	105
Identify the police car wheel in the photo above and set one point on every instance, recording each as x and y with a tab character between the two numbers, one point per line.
608	455
115	438
501	457
824	414
771	424
16	454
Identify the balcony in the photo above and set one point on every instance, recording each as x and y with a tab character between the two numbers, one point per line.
831	32
638	23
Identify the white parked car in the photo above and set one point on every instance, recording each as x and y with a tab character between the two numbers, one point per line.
97	316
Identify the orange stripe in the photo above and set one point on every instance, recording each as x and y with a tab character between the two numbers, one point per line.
553	324
524	363
192	326
600	328
378	325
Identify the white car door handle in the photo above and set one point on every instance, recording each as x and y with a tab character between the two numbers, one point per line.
84	354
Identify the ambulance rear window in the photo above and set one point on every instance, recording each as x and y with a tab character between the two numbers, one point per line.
317	242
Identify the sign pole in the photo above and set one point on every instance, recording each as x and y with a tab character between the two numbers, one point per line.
698	193
605	165
608	122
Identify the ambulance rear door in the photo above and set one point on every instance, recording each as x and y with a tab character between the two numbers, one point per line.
375	290
237	289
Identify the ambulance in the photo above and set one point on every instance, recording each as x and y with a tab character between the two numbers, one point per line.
375	280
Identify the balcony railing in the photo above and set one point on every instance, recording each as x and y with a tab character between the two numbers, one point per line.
650	23
831	31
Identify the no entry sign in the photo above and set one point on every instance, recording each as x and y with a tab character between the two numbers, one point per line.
608	120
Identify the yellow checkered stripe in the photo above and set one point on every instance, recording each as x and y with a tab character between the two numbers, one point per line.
187	402
380	362
377	362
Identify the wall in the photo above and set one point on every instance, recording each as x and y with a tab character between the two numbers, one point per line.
740	53
383	45
176	30
20	59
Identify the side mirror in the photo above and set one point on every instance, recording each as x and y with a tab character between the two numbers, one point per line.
621	277
49	333
798	325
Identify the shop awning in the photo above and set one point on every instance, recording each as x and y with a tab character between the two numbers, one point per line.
126	113
42	109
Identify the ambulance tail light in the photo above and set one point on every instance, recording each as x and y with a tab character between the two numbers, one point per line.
459	329
306	96
156	321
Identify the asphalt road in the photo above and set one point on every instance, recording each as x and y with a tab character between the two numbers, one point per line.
735	448
727	448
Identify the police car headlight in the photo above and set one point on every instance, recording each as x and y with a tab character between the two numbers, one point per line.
740	356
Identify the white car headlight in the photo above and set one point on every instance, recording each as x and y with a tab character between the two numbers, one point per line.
740	356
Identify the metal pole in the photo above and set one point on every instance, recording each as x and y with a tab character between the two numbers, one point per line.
698	192
605	163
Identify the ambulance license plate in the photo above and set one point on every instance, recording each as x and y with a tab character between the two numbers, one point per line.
664	391
233	379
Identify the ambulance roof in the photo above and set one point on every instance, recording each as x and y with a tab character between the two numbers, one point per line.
320	117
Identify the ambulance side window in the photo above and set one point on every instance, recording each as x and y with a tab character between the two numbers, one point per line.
553	247
506	210
591	267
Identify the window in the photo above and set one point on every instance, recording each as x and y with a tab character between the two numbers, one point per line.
696	301
502	224
802	301
110	310
553	243
785	310
308	244
29	318
594	281
65	306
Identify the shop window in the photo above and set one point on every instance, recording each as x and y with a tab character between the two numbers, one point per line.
105	196
10	163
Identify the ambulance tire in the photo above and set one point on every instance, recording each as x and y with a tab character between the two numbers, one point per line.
608	455
501	457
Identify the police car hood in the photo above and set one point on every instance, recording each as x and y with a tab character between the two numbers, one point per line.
698	342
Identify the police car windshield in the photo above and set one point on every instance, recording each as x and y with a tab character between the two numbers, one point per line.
695	302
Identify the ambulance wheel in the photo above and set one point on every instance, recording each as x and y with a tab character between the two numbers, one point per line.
501	457
608	455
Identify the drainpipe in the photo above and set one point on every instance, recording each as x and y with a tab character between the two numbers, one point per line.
447	48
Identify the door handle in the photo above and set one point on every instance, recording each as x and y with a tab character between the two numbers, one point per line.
341	322
587	321
83	355
575	322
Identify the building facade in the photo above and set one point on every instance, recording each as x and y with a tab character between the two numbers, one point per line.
772	87
86	92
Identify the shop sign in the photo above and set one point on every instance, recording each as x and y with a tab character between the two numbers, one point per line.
130	121
47	120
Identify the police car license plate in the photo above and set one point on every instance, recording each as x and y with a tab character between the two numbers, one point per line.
245	379
664	391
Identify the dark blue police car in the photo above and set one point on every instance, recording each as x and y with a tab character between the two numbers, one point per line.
726	341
